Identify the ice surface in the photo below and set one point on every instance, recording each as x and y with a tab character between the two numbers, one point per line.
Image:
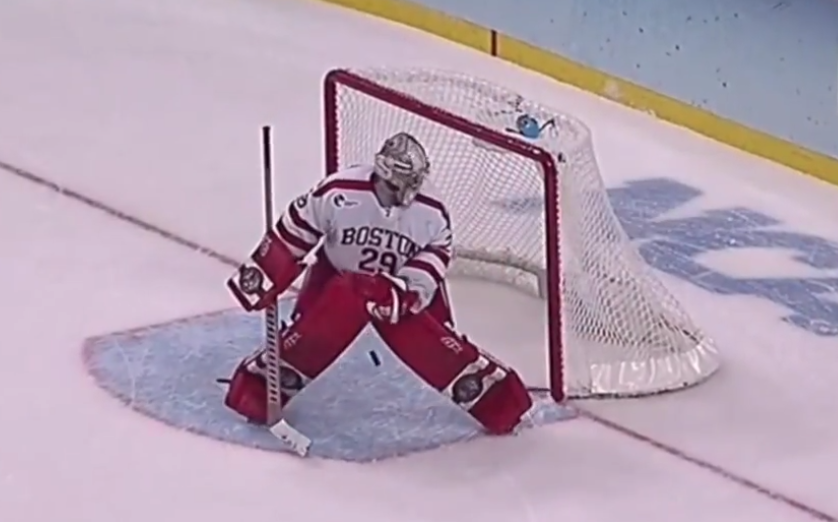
154	107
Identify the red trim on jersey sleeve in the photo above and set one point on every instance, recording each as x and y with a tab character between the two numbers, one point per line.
434	258
441	254
435	204
292	239
300	222
342	184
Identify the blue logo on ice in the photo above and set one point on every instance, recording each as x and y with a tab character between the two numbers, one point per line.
673	246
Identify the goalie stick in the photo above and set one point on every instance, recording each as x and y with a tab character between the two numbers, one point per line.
279	427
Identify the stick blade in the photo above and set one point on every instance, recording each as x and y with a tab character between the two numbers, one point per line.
298	442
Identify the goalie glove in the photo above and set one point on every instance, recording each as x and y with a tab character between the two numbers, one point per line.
271	269
389	298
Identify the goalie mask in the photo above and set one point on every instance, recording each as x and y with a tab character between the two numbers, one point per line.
402	164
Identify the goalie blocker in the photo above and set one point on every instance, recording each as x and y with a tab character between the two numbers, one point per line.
332	311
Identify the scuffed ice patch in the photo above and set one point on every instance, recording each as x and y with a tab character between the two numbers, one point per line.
356	411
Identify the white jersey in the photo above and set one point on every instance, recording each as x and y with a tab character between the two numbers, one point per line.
360	235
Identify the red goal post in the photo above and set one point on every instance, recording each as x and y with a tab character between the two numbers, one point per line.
532	213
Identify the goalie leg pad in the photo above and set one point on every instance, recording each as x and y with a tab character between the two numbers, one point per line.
247	392
488	390
325	328
309	346
503	404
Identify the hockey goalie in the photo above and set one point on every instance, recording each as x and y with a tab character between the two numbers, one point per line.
383	242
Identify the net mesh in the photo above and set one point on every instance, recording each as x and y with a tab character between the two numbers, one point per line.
622	333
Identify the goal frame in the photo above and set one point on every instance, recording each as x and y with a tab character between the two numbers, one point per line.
547	162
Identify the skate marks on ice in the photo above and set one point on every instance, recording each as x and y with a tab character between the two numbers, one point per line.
356	411
675	246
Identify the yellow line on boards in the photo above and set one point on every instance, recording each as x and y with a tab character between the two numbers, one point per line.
597	82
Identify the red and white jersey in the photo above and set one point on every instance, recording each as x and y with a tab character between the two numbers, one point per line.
360	235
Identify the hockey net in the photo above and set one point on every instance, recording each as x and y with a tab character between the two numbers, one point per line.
533	213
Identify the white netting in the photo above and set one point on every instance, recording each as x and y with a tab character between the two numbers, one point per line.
623	333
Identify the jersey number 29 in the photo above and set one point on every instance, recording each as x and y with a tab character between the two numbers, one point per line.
374	261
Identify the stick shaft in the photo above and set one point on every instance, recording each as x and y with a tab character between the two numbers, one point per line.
272	353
